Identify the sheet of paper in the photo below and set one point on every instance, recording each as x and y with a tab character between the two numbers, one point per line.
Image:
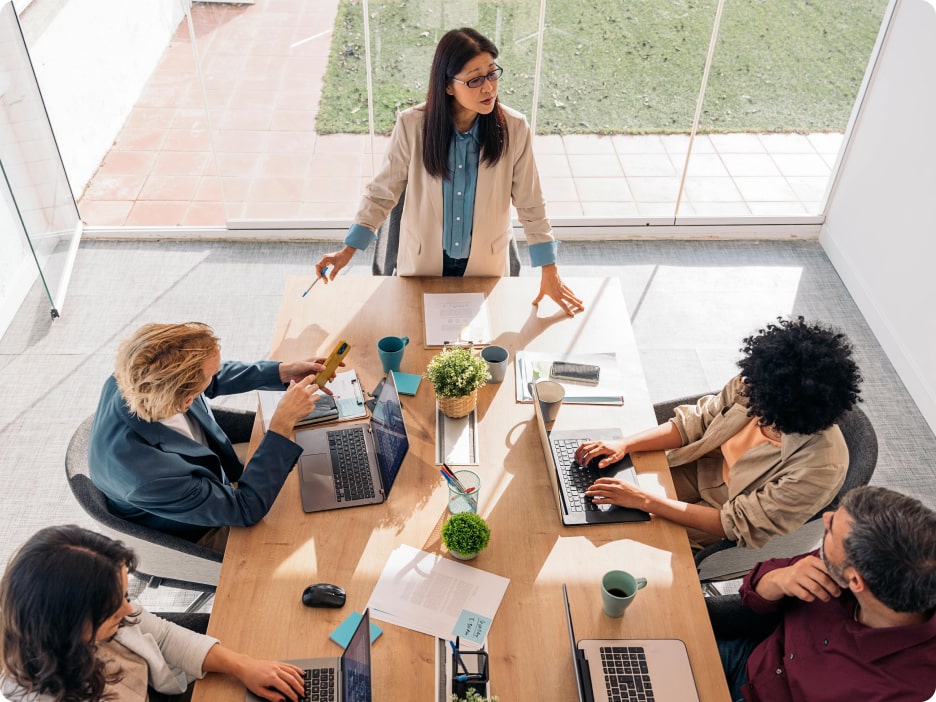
456	318
437	596
533	365
345	387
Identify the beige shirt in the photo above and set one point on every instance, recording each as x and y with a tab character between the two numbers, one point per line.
513	179
132	686
770	490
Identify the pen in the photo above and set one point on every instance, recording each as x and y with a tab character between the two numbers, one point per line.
324	271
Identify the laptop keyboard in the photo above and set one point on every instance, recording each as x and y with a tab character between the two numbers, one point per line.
353	479
626	675
319	685
575	479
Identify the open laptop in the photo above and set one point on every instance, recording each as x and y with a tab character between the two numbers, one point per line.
354	463
630	669
346	678
570	480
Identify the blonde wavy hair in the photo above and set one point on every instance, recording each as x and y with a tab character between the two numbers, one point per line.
161	366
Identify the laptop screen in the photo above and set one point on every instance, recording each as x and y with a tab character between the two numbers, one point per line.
575	653
356	664
390	440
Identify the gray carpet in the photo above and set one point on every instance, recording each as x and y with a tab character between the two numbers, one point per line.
691	303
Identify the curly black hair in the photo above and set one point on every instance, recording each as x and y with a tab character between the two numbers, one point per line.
799	377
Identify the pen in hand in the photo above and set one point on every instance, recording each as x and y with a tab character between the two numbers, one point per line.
324	271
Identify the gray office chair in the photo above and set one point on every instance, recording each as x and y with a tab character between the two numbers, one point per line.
163	559
725	560
388	244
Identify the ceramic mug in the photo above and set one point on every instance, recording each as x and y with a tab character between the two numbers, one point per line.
618	589
390	350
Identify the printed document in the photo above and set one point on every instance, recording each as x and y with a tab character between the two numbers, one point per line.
437	596
456	318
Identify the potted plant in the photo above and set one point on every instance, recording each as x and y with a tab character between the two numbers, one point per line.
465	535
473	696
456	375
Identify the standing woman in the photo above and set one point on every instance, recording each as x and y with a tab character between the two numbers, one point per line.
462	158
69	634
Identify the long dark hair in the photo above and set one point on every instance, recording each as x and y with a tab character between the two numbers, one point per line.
456	48
60	582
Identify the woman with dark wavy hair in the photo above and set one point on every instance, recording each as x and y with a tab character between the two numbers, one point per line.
69	634
761	457
463	158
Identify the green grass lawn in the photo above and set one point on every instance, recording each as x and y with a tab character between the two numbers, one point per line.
619	67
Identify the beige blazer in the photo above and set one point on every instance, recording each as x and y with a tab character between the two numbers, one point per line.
770	490
513	179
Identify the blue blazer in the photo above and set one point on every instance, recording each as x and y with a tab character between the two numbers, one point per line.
155	476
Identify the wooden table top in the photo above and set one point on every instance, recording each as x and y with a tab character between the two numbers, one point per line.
257	609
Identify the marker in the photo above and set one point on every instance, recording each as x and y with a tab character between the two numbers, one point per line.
324	271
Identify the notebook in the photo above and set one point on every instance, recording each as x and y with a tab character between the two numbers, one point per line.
630	670
352	464
346	678
570	480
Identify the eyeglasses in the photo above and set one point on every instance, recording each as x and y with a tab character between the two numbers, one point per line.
478	81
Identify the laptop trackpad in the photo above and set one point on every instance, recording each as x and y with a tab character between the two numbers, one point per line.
312	441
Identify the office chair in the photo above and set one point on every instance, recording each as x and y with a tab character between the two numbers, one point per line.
388	244
163	559
725	560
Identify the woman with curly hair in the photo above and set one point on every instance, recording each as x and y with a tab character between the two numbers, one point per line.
69	634
762	456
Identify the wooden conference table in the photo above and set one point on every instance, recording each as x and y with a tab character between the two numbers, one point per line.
257	609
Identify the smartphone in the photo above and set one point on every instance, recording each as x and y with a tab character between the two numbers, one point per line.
332	362
576	372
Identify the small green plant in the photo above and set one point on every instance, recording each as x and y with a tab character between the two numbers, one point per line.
466	533
473	696
456	372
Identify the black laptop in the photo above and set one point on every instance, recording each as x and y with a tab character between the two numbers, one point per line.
570	480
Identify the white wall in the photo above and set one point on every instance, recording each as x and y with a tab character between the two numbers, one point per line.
92	62
880	232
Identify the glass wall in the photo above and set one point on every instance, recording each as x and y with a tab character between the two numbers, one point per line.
784	79
286	139
42	227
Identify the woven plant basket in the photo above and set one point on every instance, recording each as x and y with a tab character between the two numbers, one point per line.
456	407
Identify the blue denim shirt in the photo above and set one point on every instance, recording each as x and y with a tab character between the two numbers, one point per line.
458	202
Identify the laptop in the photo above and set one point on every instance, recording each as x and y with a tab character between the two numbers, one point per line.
630	670
354	463
570	480
346	678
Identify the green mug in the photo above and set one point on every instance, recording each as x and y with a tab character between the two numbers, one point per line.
618	589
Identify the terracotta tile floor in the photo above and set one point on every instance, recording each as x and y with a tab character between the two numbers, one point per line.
263	83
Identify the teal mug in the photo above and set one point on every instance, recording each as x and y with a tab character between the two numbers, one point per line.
390	350
618	589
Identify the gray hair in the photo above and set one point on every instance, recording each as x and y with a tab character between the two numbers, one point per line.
892	545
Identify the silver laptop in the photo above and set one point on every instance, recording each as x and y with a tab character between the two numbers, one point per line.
354	463
630	669
570	480
346	678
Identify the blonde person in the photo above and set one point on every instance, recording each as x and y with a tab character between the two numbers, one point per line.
463	158
165	459
70	634
762	456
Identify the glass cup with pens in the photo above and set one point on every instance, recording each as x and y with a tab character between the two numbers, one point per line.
464	489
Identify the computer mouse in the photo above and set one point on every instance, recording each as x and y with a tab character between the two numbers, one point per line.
323	595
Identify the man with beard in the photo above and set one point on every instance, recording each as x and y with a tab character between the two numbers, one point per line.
854	619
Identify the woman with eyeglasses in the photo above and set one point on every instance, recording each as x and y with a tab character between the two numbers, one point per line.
69	634
462	158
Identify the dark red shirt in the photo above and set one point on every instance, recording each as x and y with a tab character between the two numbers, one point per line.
819	653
